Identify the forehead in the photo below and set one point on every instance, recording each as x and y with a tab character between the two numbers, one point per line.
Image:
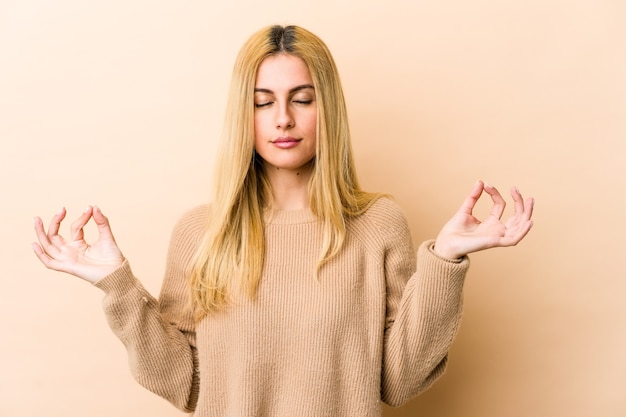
282	72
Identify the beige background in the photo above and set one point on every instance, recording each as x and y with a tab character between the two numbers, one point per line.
119	104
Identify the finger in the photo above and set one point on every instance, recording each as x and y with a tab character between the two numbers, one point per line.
76	229
45	244
39	230
529	206
470	201
104	228
518	200
520	233
47	260
498	202
41	254
55	223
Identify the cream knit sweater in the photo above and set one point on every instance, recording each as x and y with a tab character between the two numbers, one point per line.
376	326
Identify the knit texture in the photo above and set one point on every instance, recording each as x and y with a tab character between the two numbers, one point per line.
374	326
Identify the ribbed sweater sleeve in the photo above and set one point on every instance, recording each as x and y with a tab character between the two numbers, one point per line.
424	302
159	335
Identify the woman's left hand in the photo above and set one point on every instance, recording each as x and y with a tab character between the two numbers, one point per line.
464	233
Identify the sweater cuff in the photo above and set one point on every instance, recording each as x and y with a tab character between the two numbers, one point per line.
119	281
429	259
430	246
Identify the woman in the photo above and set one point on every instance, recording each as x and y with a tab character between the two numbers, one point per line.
294	293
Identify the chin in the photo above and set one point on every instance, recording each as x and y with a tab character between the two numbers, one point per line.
290	165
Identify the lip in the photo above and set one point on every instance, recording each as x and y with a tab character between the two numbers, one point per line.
286	142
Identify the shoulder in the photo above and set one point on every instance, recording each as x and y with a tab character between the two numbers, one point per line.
196	214
384	221
191	225
386	212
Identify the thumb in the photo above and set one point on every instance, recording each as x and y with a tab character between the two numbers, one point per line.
102	222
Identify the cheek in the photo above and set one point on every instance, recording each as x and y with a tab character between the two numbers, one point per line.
311	123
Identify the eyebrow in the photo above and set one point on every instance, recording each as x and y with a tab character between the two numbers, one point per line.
293	90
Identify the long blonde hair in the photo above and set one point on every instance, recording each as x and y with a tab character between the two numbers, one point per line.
230	257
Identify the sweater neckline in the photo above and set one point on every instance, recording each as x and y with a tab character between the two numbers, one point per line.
289	216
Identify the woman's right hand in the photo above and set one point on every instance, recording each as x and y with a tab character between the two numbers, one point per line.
74	255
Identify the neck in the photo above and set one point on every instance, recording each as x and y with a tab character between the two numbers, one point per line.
290	188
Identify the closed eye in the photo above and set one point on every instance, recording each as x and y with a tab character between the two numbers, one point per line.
264	104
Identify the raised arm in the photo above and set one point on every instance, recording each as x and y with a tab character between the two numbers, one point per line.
424	304
159	335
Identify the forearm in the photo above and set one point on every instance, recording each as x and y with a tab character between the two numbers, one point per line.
428	317
161	357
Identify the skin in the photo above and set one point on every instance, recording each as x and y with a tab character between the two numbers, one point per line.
74	255
284	107
464	233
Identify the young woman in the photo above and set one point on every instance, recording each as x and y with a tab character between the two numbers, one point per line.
295	292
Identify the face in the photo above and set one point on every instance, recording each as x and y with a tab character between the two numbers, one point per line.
285	114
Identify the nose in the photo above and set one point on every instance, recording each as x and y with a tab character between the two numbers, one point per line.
284	117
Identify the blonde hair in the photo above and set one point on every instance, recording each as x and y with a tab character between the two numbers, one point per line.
230	257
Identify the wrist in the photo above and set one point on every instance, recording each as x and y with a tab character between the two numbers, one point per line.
445	252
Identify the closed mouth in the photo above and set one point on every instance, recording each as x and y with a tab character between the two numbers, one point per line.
286	139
